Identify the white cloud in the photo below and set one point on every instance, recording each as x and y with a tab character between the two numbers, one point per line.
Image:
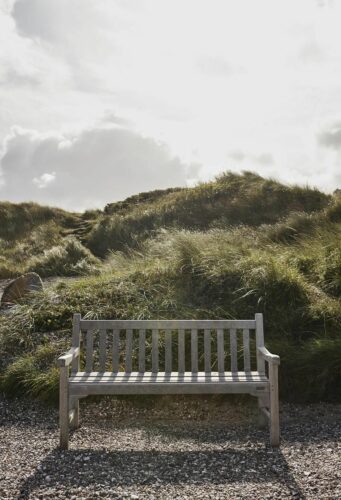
331	137
94	167
44	180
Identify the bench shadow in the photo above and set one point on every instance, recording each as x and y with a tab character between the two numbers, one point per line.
86	467
304	433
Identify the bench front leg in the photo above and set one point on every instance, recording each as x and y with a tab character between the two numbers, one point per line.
274	405
273	361
64	407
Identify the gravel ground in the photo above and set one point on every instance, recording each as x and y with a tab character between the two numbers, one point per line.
169	448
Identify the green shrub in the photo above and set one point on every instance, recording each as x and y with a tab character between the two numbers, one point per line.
70	258
35	374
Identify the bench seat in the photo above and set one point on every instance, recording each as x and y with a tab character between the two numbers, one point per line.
89	383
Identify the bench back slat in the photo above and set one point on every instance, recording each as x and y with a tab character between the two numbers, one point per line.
194	351
102	349
129	350
168	351
181	351
89	350
207	350
142	351
218	345
155	350
246	349
233	350
220	350
115	351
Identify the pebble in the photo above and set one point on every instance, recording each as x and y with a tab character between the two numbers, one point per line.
178	448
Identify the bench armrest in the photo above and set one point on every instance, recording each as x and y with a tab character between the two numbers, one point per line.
66	358
270	358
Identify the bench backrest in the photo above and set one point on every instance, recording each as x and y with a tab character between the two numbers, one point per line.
168	345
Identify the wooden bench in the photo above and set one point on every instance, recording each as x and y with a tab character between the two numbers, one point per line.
110	345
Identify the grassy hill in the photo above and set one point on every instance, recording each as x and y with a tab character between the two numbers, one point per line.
224	249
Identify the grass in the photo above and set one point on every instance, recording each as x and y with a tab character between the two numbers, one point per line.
282	259
229	200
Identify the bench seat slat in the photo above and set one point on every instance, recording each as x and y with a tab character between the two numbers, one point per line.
165	383
161	377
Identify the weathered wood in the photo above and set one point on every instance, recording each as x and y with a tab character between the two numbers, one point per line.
82	384
68	357
168	351
115	351
142	350
220	350
155	350
271	358
274	404
194	351
76	333
129	350
259	341
87	324
74	406
263	405
181	351
265	412
146	377
102	349
207	350
71	417
64	407
89	350
233	350
168	387
246	349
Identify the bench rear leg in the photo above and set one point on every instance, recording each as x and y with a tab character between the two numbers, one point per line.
64	408
274	405
74	407
263	405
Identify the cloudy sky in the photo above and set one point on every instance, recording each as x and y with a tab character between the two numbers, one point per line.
100	99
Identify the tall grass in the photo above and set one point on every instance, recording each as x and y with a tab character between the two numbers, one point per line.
229	200
225	249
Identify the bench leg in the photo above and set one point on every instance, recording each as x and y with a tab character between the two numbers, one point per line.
74	407
274	405
263	405
64	408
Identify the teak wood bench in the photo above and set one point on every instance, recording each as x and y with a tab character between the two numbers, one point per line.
110	344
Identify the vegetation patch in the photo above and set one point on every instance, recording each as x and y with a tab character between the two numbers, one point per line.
225	249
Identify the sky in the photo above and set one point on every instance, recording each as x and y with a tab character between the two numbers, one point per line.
102	99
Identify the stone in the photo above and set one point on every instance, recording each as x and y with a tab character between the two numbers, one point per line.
18	288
